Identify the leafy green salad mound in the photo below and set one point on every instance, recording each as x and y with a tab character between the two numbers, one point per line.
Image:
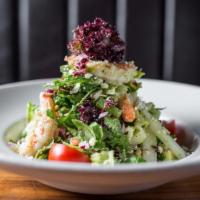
94	111
88	108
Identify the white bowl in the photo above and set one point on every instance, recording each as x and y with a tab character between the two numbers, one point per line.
182	101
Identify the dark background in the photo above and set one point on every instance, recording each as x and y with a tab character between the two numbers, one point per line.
163	36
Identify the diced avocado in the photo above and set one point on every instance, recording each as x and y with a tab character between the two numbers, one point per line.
168	155
100	103
114	111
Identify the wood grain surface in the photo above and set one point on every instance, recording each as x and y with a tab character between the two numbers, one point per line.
14	187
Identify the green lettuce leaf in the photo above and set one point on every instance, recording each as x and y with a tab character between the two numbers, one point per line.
30	111
113	124
85	131
98	131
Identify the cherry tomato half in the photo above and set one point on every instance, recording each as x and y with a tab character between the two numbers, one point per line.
170	126
61	152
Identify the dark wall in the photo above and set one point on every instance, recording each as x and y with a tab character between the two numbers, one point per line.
8	63
187	42
163	36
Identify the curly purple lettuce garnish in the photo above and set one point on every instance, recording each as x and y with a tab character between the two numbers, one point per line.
98	40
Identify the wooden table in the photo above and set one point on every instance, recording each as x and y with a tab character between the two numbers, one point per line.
14	187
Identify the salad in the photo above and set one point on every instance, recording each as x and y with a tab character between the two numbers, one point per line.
93	113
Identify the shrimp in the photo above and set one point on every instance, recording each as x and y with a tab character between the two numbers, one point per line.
128	110
40	130
46	102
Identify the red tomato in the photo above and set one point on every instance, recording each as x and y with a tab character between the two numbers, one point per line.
61	152
170	126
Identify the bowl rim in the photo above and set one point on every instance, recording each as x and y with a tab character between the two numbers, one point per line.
88	168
